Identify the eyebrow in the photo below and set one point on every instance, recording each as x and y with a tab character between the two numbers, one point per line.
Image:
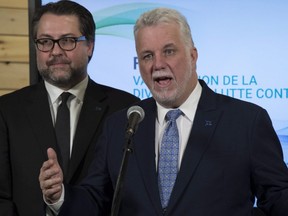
50	36
169	45
165	47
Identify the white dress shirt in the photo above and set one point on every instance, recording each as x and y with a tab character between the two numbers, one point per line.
184	122
74	103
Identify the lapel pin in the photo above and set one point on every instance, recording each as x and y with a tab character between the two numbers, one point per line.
97	108
208	123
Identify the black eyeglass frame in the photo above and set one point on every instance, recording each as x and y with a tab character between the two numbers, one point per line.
76	39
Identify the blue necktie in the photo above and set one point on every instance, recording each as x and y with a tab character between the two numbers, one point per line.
168	158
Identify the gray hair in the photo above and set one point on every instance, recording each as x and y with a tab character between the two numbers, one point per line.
165	15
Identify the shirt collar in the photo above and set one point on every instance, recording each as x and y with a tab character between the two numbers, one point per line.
78	90
188	107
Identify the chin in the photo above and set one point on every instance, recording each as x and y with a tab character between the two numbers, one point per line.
165	99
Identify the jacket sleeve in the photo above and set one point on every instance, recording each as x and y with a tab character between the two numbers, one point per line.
270	173
93	196
6	204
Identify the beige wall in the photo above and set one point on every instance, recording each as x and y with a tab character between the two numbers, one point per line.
14	45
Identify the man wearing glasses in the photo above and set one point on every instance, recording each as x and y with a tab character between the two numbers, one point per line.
65	43
64	35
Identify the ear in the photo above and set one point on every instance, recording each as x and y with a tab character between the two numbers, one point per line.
90	46
194	54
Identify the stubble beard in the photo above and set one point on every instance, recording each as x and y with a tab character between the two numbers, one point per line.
165	96
171	98
64	77
57	77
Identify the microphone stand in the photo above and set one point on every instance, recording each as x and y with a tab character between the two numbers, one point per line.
120	180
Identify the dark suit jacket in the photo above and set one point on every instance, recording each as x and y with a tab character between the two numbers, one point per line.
233	154
26	131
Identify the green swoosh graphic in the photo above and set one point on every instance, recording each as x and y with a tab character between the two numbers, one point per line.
119	20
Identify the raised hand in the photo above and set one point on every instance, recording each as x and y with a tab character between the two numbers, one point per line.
51	178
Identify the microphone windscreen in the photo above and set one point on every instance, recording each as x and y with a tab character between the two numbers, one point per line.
136	109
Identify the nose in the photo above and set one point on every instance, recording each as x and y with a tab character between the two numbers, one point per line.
159	62
56	50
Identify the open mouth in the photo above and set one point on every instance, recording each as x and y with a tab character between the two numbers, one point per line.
163	81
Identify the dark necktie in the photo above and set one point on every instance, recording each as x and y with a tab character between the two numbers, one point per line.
62	129
168	158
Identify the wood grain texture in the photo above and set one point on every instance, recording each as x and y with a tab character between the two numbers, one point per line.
14	45
14	75
14	49
5	91
14	21
14	3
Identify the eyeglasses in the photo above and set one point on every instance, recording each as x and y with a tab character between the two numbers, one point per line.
65	43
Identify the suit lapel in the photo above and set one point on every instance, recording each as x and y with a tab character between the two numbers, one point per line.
40	120
91	114
39	117
144	144
205	123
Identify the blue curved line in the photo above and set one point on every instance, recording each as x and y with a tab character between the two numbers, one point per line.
124	16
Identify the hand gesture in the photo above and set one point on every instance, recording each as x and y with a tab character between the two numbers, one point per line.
51	178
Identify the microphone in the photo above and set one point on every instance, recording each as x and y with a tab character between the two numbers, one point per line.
135	115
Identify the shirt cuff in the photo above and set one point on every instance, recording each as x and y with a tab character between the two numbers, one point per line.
55	207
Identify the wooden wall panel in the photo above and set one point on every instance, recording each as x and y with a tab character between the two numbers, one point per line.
14	3
13	75
14	45
14	49
5	91
14	21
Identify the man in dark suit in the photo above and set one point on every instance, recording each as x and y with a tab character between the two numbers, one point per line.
27	116
228	153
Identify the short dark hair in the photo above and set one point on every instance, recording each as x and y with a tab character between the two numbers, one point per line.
65	7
